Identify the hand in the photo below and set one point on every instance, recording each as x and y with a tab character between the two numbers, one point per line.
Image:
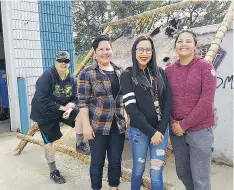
177	130
66	114
62	108
70	105
157	138
88	133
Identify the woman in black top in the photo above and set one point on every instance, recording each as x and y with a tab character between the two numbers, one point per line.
147	100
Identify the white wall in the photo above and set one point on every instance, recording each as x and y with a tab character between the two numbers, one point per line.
22	45
223	131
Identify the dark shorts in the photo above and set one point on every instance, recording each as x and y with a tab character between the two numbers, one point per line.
50	129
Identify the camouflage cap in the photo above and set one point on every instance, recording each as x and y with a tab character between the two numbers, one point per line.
62	55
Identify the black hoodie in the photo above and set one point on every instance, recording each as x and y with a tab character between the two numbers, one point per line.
51	93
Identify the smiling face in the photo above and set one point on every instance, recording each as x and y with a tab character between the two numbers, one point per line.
62	65
185	45
103	53
143	53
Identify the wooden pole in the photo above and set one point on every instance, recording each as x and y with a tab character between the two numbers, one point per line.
24	142
159	10
87	57
210	55
126	173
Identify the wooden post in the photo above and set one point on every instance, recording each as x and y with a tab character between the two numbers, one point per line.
210	55
159	10
24	142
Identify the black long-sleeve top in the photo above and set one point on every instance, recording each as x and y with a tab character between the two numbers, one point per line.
139	105
51	93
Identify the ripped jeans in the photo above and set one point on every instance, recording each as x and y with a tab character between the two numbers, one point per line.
139	145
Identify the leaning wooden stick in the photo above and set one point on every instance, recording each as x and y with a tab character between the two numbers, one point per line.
210	55
126	173
24	142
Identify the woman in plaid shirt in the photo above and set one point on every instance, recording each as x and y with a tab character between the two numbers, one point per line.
102	114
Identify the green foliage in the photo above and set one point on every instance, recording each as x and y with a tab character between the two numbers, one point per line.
215	12
89	15
87	18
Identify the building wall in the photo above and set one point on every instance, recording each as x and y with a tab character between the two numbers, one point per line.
21	33
33	32
56	30
223	131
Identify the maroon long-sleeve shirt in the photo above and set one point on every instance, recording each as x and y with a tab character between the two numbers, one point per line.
193	89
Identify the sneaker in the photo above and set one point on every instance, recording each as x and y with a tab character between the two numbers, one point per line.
83	148
56	177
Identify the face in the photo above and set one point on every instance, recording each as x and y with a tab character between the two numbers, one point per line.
103	53
62	65
143	53
185	45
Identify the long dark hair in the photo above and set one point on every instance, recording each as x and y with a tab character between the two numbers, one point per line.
137	73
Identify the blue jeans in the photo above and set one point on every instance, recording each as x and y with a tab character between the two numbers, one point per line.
139	144
113	145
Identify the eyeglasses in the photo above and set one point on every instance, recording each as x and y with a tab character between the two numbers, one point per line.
141	50
63	61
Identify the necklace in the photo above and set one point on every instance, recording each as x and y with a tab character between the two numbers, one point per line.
154	94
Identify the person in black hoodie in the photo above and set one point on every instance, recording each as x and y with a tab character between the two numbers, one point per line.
55	101
147	100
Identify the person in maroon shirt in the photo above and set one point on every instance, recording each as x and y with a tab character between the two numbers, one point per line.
193	83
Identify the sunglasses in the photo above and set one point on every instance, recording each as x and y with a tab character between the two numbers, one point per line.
63	61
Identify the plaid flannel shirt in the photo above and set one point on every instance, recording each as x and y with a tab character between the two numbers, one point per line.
94	91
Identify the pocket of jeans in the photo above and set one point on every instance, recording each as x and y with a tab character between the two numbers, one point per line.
202	140
210	130
134	135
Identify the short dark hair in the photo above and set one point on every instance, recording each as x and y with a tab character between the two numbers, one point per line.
187	31
98	39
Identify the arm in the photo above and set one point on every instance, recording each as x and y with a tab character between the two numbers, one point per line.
206	100
43	93
74	98
84	91
84	113
131	107
167	105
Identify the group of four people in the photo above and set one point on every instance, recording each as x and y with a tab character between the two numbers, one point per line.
177	101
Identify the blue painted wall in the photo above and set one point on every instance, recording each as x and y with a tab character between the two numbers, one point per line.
55	30
23	104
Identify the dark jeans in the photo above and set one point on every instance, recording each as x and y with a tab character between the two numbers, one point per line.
113	144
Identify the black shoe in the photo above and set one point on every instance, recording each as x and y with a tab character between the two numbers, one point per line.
83	148
56	177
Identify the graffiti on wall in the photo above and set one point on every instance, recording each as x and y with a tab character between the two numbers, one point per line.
222	82
225	83
217	59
